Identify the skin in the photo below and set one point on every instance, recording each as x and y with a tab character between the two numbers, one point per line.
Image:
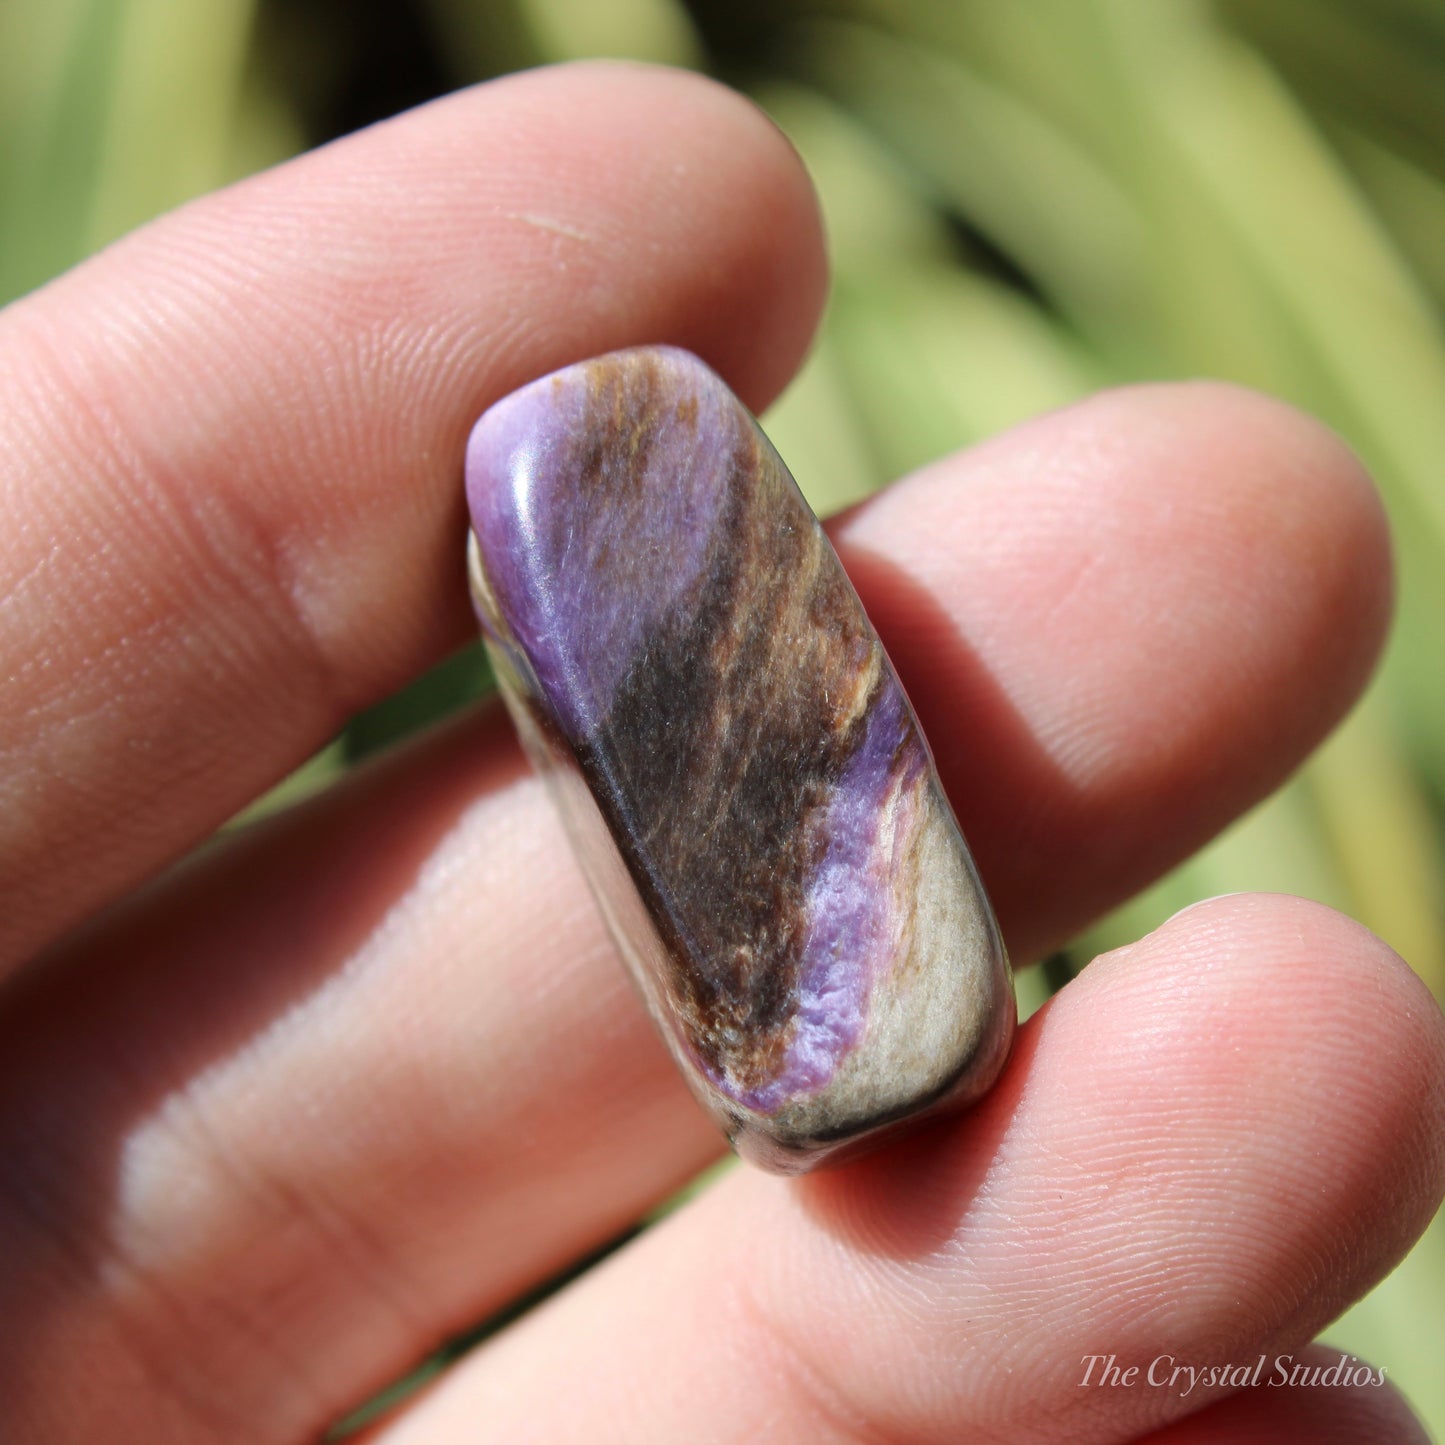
275	1122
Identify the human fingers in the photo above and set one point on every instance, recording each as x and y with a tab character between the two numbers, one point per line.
1153	607
230	445
1205	1147
415	959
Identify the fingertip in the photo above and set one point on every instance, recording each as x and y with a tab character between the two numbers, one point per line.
1299	944
1276	974
1293	1045
1122	623
758	346
1313	504
759	265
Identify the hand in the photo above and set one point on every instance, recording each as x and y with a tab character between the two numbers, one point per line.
275	1124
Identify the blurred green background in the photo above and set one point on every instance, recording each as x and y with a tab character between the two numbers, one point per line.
1026	201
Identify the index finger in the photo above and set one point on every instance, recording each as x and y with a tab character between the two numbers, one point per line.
230	446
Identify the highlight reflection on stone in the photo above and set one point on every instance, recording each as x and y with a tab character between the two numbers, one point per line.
742	775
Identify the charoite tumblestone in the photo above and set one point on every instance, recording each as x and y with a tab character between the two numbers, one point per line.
744	779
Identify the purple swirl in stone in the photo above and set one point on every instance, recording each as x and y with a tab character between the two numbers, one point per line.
848	903
673	629
646	519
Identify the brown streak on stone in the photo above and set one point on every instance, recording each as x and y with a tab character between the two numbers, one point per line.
748	699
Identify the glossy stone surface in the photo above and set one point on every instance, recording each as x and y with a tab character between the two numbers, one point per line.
738	766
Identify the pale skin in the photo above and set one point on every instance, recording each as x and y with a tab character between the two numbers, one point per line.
275	1125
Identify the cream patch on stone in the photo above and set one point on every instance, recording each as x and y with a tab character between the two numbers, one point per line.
932	1011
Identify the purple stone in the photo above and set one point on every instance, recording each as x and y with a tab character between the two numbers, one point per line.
745	782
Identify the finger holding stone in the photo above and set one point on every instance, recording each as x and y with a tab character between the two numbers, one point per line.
1204	1147
338	1091
230	445
413	958
1126	590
